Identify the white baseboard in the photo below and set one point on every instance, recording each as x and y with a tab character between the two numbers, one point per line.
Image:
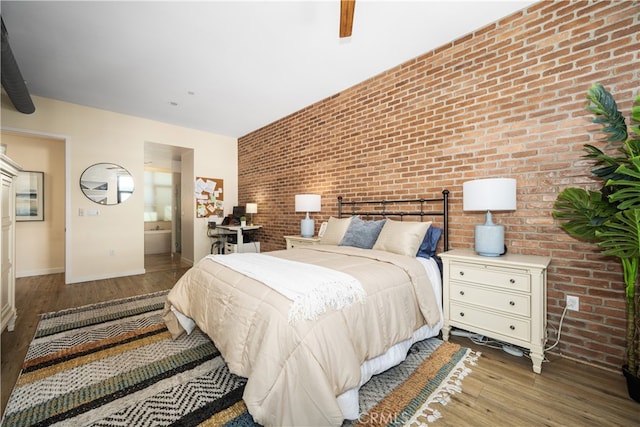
41	272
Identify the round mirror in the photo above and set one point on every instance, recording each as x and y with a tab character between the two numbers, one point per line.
106	183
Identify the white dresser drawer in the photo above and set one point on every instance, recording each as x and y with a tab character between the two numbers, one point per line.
298	241
507	278
513	303
493	322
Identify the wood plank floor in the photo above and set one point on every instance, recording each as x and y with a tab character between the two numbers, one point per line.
43	294
501	391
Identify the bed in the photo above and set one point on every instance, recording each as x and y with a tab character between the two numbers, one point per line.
309	326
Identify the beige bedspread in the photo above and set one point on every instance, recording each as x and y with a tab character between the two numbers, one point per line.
295	371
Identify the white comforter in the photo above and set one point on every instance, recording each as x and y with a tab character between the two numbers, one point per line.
295	371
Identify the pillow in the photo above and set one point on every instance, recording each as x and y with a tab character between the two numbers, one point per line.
429	244
335	230
362	234
402	238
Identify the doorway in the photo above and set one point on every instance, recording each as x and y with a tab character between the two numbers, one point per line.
164	236
41	246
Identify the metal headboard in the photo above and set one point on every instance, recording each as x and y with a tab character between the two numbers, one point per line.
431	206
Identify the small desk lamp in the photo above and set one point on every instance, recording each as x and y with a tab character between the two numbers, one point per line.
493	194
251	208
307	203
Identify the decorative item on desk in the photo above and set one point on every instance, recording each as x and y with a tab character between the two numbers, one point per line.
307	203
243	221
251	208
492	194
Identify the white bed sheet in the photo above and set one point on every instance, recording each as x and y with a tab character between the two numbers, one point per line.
349	400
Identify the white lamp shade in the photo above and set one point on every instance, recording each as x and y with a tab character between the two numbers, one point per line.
251	208
492	194
308	202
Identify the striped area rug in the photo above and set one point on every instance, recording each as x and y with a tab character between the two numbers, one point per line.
115	364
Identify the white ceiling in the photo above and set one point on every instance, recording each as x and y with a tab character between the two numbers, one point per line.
230	67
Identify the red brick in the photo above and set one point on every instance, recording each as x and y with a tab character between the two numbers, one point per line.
505	100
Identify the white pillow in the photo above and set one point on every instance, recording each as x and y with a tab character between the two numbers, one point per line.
335	231
402	238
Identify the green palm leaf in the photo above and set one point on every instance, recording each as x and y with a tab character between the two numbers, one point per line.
605	110
633	145
627	190
635	117
620	236
582	212
605	165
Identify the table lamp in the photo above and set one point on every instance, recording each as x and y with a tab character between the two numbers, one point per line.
307	203
251	208
492	194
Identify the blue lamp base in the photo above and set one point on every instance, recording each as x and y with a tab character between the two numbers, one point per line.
307	227
489	238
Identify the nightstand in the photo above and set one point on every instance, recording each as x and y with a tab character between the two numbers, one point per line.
297	241
503	297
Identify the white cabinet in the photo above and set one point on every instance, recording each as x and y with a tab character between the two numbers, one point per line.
8	170
504	298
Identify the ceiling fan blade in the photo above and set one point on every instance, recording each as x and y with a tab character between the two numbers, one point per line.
346	17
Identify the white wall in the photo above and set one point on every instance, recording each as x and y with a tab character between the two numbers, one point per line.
94	136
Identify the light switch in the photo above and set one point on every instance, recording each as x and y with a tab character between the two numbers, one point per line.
93	212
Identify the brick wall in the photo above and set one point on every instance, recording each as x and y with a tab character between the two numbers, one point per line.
507	100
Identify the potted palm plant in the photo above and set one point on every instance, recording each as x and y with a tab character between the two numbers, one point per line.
610	216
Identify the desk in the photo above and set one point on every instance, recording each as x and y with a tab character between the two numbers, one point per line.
220	238
238	230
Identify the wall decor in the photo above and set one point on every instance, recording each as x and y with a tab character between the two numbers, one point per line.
30	196
106	183
209	197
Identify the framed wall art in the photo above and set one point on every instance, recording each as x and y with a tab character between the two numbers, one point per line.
30	196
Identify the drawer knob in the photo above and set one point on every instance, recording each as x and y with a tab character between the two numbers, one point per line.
513	328
512	303
461	292
512	281
461	314
462	273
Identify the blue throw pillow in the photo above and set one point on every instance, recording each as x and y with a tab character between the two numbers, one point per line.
362	234
430	242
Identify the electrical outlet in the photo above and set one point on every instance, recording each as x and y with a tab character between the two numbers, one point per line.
573	303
